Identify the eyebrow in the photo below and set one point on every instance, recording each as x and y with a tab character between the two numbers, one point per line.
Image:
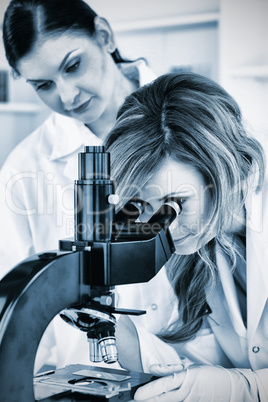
178	194
60	67
34	81
65	58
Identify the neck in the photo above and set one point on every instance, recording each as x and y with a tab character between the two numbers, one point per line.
104	124
102	127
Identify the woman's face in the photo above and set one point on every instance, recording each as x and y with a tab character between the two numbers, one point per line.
73	75
180	182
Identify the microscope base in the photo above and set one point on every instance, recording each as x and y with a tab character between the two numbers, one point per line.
88	383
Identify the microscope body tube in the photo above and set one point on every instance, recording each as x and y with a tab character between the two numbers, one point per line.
94	215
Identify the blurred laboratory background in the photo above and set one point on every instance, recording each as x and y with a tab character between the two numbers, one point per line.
225	40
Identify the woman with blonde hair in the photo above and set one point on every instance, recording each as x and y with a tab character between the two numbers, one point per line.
182	139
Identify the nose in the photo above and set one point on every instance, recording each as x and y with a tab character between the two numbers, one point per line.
68	94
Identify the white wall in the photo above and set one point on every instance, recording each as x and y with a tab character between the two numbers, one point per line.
155	30
244	58
192	48
119	11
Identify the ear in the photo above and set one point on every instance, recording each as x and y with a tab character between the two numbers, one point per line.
104	34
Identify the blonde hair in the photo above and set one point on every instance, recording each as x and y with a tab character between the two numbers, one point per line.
194	120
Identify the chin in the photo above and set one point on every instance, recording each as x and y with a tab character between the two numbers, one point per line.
187	249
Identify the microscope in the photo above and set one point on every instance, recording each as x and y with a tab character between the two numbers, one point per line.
77	281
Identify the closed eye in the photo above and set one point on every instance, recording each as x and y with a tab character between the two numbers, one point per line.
73	67
179	200
45	86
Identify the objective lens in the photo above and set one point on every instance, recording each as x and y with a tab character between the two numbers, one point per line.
102	343
108	349
94	350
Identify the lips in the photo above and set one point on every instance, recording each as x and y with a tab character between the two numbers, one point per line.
81	108
181	240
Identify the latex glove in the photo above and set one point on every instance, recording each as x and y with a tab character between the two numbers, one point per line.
198	383
162	370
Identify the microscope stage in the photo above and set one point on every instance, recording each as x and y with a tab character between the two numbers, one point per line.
88	383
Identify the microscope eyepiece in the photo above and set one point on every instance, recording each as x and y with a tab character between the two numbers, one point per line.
166	214
127	226
130	212
94	164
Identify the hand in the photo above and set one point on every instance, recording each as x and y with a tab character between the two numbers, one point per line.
162	370
197	383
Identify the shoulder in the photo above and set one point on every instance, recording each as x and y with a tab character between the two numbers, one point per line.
264	143
138	71
146	75
36	146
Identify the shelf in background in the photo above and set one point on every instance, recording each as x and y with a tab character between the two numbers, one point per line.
178	21
19	107
256	71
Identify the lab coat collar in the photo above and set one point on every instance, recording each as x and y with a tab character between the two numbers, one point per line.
229	334
223	299
257	257
230	295
137	71
69	136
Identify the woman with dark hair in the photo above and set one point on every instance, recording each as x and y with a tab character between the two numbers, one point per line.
68	54
182	139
